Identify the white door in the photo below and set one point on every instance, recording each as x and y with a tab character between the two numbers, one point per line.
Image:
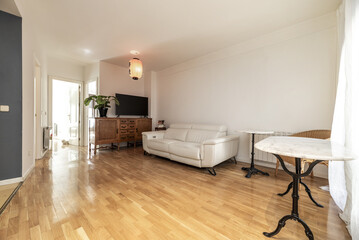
74	116
66	111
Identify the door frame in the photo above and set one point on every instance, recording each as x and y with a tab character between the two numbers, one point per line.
81	103
86	117
38	138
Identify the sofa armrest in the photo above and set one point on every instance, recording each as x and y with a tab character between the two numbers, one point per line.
215	151
148	136
221	140
154	134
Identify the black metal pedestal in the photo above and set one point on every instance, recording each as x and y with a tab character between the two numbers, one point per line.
252	170
295	197
306	189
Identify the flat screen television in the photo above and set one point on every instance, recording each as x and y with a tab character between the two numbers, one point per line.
131	105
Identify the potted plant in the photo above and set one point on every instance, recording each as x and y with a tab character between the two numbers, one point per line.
102	103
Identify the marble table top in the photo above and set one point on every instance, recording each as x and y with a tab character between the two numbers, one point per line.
309	148
256	131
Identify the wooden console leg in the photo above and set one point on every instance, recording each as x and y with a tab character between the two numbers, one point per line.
95	149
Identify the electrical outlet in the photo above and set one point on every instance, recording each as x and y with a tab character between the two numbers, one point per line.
4	108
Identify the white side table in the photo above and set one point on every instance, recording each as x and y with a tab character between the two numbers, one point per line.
299	148
252	170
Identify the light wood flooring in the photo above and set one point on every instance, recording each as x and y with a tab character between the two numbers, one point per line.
126	195
6	191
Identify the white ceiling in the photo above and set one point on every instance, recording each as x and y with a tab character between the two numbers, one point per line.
166	32
9	6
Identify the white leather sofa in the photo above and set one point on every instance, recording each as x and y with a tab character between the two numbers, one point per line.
198	145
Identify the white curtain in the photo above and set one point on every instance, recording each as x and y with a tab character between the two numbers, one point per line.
344	176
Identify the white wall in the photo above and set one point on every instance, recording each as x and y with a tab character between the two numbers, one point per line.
284	81
151	92
115	79
91	72
65	69
31	52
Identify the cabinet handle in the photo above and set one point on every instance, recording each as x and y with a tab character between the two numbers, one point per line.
116	130
136	129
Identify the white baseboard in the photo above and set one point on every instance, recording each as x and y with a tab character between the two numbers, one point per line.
28	172
10	181
18	179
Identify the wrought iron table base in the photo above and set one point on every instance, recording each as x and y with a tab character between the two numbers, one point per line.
306	189
252	170
295	197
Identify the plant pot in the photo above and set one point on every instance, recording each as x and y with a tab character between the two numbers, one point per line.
103	112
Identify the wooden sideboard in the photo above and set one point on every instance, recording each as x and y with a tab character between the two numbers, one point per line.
117	130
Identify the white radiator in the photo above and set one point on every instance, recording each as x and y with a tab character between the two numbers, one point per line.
260	155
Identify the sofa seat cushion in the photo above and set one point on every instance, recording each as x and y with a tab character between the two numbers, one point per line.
186	149
160	144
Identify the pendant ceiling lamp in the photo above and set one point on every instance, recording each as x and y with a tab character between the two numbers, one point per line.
135	67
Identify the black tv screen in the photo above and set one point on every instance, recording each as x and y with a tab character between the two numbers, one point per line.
131	105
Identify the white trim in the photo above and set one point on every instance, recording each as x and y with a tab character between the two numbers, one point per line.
11	181
28	172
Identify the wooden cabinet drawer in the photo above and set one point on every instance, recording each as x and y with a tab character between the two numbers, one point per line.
131	131
131	126
123	131
123	121
131	137
123	137
132	121
123	126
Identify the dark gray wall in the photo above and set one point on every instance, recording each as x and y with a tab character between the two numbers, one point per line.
10	94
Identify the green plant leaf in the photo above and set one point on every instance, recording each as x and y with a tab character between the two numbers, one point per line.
101	101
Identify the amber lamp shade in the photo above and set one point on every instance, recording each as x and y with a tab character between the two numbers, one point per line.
136	68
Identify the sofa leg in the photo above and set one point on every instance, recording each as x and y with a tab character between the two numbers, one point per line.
145	153
234	160
212	171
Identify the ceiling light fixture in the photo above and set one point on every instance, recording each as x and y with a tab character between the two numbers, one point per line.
87	51
135	66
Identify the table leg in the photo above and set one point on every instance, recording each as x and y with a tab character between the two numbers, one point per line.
252	170
295	197
310	194
306	189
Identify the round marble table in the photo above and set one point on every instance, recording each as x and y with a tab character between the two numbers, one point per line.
299	148
252	170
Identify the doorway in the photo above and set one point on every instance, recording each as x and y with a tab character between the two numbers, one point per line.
66	111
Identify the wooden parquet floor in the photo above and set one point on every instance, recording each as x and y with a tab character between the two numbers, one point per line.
126	195
6	191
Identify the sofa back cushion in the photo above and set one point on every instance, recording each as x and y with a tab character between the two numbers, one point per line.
209	127
202	132
176	134
198	136
196	133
